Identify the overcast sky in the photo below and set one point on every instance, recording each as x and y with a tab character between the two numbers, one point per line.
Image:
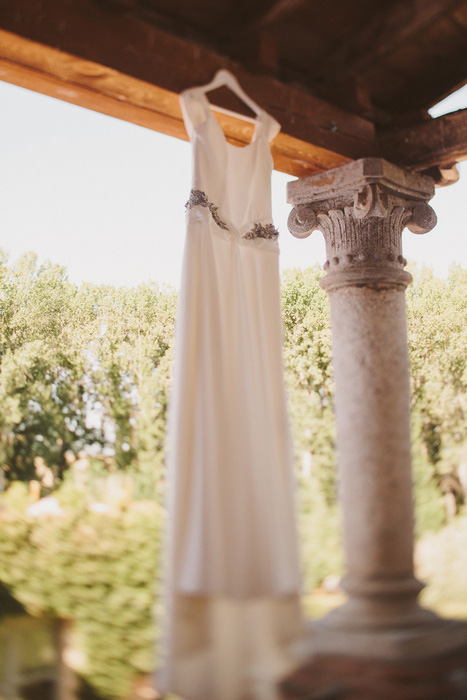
106	198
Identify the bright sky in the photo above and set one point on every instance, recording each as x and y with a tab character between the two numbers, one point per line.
106	198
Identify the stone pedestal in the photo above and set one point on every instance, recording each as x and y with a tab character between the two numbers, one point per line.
362	208
340	678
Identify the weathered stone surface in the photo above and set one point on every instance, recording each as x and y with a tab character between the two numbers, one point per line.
338	187
331	677
361	209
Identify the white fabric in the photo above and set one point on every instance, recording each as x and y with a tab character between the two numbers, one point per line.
233	577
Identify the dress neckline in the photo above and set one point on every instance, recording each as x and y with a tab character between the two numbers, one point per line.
211	117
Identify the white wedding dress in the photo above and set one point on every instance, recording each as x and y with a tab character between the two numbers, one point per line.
232	584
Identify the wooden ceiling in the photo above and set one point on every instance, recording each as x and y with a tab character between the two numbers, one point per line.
345	78
379	58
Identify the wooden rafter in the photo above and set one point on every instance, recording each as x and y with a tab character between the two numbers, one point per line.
110	92
279	10
383	32
119	65
435	142
439	83
124	67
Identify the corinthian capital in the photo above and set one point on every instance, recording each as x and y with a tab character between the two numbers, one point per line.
362	208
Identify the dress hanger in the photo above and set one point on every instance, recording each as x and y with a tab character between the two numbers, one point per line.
224	78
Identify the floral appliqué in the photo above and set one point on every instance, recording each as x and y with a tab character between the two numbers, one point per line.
263	231
200	198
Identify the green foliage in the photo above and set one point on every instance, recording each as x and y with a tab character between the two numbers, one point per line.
84	379
8	604
437	330
437	333
82	369
442	560
429	510
307	358
319	531
95	568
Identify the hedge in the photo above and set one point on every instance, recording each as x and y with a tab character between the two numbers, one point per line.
97	569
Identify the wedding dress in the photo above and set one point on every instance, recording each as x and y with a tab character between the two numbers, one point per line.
232	584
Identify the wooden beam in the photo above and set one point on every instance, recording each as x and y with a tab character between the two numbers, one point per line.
315	135
435	142
87	84
436	84
384	31
279	10
119	46
55	73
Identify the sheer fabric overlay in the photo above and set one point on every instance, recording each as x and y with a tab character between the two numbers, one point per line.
232	619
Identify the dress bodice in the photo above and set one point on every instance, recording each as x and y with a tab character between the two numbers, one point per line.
232	183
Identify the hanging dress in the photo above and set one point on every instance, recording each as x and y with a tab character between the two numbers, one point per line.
232	583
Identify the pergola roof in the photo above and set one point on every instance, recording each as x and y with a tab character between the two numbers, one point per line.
345	79
380	59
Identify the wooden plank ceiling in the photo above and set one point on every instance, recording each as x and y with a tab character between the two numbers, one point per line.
345	79
404	54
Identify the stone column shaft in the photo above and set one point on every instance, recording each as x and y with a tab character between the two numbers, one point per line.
373	426
362	208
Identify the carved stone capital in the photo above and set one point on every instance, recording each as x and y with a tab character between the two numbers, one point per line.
362	208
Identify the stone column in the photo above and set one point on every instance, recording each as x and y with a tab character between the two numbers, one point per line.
362	208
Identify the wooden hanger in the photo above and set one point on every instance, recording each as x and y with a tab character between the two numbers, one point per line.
224	78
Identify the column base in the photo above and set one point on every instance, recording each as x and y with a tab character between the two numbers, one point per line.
378	612
435	637
334	676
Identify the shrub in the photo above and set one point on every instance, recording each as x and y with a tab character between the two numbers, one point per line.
97	569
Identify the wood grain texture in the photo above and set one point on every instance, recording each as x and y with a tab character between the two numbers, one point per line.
110	35
383	32
98	56
294	56
435	142
94	86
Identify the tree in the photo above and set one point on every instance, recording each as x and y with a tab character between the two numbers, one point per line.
437	323
82	369
87	369
42	396
308	365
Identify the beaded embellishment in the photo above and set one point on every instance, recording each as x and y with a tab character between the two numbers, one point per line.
200	198
261	231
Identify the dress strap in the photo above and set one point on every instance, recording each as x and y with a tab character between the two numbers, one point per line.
270	125
195	109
